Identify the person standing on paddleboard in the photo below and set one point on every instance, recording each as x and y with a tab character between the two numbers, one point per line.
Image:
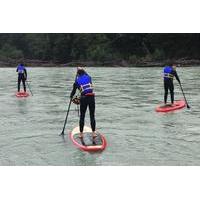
22	76
169	72
83	82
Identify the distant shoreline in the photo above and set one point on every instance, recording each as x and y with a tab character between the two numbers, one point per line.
115	63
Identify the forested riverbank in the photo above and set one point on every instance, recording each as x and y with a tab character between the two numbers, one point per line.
98	49
114	63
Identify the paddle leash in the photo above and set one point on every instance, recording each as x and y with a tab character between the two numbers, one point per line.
184	96
62	133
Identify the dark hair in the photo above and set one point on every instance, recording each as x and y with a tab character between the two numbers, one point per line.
81	72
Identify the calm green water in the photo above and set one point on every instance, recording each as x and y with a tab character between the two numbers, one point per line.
125	103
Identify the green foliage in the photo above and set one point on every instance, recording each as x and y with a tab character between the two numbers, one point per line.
133	59
7	51
99	53
158	54
67	47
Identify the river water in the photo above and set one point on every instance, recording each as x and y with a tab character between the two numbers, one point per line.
125	103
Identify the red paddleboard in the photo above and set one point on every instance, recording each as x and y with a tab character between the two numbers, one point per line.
167	108
88	143
22	94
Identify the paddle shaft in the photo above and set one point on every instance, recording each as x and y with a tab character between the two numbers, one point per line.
29	88
62	133
184	95
78	111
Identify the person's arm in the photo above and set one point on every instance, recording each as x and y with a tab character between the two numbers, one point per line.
176	75
25	73
17	69
73	90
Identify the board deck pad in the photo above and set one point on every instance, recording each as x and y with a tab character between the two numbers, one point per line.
167	108
22	94
88	140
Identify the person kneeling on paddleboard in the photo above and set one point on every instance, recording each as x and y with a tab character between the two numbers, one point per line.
169	73
22	76
83	82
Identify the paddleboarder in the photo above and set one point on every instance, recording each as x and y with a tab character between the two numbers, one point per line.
22	76
169	72
83	83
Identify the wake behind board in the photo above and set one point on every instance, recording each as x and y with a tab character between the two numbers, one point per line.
22	94
167	108
88	143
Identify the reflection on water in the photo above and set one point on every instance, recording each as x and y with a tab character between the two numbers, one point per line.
22	105
125	103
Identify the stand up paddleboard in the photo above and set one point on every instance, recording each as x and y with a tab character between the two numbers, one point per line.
22	94
88	143
167	108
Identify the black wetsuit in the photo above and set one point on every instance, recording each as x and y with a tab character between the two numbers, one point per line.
87	100
22	77
169	85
